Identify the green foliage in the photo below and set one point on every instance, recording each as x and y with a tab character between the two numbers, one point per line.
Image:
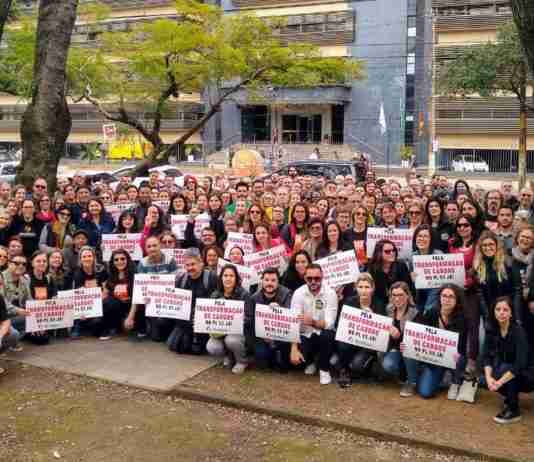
406	152
487	70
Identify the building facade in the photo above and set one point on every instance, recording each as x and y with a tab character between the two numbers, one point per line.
476	128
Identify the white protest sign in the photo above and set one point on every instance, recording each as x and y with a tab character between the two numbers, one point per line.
178	225
155	281
86	301
178	255
248	276
363	328
274	322
169	303
430	345
271	258
48	315
201	221
219	316
402	238
432	271
163	205
129	242
340	269
116	209
242	240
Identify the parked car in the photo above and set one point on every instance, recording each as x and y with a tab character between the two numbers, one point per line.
468	163
326	168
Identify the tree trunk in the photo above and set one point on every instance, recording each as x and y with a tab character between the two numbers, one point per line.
5	8
523	133
46	124
524	19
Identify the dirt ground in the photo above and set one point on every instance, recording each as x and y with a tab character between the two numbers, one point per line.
379	407
45	416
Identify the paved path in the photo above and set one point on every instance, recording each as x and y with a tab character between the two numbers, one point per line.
142	364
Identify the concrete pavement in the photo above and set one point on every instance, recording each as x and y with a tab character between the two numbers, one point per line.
144	364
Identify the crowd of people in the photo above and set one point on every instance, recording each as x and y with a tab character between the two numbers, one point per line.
52	241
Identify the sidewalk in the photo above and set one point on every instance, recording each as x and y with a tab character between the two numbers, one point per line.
376	409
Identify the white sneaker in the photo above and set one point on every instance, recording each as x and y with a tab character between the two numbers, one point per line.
311	369
239	368
454	389
325	378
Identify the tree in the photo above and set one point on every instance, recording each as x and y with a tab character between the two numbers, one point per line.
46	122
5	11
490	70
147	69
524	20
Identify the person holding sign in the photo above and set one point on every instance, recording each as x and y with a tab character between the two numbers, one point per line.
270	353
506	360
118	296
449	316
402	309
232	347
352	359
318	304
386	268
424	244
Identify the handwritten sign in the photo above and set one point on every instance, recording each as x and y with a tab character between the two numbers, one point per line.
219	316
271	258
274	322
48	315
156	281
363	328
432	271
242	240
402	238
169	303
430	345
248	276
340	269
128	242
178	255
86	302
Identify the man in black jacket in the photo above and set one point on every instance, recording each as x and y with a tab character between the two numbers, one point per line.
270	353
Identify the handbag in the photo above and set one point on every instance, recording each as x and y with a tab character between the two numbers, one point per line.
468	389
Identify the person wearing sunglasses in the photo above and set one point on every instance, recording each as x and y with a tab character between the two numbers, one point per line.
317	303
415	213
117	293
463	242
58	234
386	268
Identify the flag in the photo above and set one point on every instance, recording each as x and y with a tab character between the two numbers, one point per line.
382	120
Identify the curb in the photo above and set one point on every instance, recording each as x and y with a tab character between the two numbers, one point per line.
184	392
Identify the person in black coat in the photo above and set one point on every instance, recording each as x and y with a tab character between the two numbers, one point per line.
293	278
506	360
28	227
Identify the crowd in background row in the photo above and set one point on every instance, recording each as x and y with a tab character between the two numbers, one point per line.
51	241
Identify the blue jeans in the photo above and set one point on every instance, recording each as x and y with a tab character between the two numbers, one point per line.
392	364
431	377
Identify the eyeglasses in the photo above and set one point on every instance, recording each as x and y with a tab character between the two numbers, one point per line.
388	251
359	214
415	212
40	186
463	225
314	278
18	263
167	241
343	199
255	212
45	200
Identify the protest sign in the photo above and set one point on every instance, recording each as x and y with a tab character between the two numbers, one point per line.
201	221
163	205
129	242
242	240
178	255
432	271
430	345
220	316
340	269
248	276
363	328
168	302
86	302
48	315
402	238
274	322
271	258
178	225
116	209
143	281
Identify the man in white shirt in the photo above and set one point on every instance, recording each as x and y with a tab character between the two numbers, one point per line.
318	304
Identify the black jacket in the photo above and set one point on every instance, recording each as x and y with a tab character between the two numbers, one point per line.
242	295
80	277
512	349
398	272
282	297
491	288
29	233
456	324
202	287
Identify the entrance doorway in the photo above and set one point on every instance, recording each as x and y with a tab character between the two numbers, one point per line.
301	128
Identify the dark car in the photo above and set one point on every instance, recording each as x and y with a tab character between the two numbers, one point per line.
326	168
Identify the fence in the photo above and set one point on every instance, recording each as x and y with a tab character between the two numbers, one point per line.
481	160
